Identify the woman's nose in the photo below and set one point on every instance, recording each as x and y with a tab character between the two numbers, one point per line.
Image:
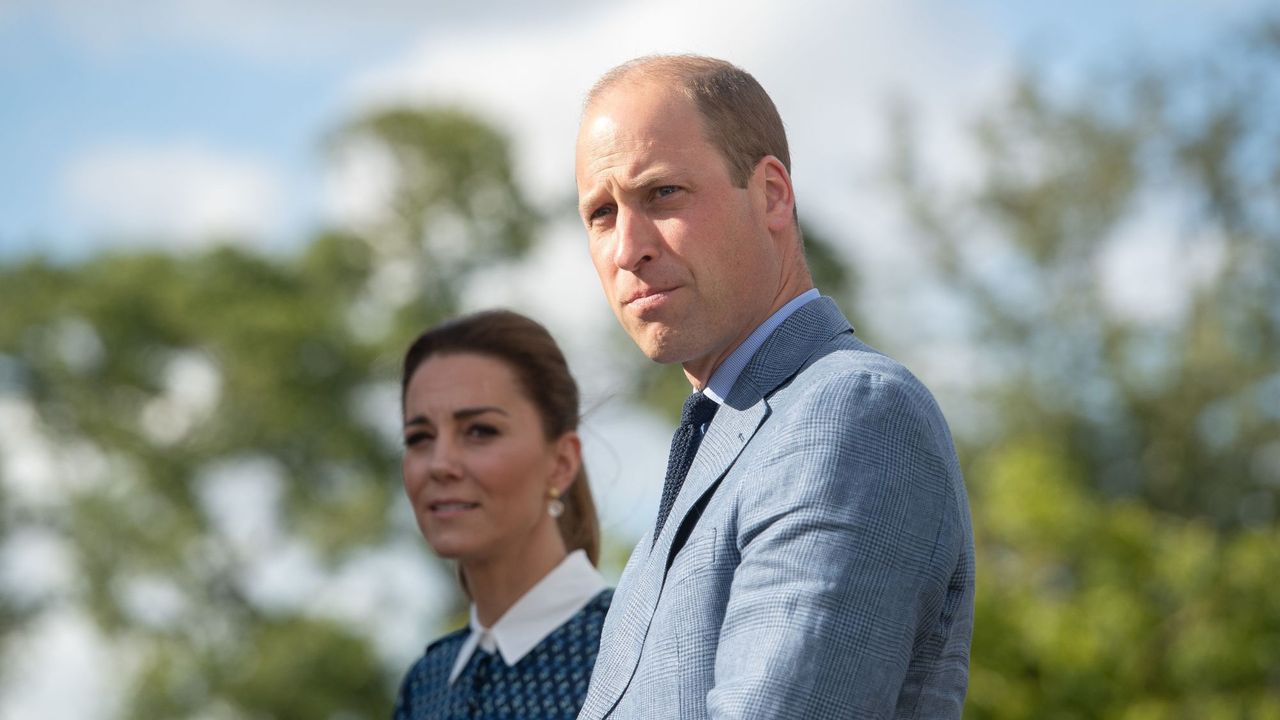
445	462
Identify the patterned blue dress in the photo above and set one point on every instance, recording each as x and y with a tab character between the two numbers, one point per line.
549	682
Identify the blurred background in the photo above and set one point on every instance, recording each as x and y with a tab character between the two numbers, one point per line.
222	222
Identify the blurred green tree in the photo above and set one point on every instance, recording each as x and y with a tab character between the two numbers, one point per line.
1117	267
153	378
1161	379
1123	480
454	206
1090	607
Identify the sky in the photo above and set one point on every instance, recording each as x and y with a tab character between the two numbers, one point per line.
145	121
179	123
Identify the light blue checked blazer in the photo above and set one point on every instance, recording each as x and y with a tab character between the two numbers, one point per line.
818	562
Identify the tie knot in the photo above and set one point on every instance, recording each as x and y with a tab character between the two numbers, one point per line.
698	410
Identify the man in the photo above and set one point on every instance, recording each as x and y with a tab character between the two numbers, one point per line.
817	558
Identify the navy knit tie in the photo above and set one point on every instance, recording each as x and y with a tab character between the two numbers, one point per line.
698	411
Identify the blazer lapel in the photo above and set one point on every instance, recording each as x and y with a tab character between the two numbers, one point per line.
789	349
624	632
620	651
726	436
745	409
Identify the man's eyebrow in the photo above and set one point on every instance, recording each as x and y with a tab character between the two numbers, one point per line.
587	202
650	178
645	180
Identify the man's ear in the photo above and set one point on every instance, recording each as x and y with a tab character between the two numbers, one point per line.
778	195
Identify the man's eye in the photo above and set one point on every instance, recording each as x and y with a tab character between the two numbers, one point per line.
666	190
602	211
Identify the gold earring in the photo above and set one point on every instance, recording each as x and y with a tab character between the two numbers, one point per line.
555	508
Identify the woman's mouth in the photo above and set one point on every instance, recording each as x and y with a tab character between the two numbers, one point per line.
448	508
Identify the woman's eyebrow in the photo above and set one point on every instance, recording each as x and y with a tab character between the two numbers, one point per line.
460	414
465	413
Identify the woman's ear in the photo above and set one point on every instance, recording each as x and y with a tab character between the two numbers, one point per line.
568	459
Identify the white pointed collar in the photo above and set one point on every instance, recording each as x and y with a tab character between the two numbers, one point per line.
546	606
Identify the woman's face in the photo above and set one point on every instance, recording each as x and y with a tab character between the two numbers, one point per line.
477	465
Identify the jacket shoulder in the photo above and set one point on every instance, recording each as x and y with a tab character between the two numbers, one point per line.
449	643
425	687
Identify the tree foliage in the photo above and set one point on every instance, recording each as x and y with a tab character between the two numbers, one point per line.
1100	608
1125	472
156	377
1175	400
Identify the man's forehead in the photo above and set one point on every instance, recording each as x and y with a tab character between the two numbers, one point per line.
629	86
638	100
595	128
631	161
648	118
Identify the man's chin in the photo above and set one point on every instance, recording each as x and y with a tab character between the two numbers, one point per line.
667	351
656	343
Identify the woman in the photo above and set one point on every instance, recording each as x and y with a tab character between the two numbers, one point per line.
493	469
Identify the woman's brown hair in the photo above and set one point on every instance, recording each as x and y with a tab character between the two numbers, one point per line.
540	368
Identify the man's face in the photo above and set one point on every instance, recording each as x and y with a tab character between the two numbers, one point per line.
685	257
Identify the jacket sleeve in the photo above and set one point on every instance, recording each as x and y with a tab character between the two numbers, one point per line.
850	536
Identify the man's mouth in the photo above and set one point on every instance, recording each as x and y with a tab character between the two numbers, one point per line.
648	298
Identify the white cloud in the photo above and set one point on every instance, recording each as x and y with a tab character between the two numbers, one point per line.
625	451
394	594
180	195
192	386
283	574
302	30
61	667
827	64
78	344
37	564
358	184
554	284
1149	269
41	471
241	496
28	461
153	600
377	405
289	31
393	283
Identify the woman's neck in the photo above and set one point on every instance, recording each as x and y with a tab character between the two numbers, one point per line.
495	584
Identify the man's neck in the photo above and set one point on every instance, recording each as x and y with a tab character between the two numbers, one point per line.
700	371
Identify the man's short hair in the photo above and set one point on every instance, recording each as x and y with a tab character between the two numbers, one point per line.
738	116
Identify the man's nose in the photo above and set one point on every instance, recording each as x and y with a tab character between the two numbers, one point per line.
635	240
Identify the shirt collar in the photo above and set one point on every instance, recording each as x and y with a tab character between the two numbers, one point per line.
546	606
726	375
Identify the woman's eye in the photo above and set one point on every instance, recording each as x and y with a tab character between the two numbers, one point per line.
415	438
482	431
